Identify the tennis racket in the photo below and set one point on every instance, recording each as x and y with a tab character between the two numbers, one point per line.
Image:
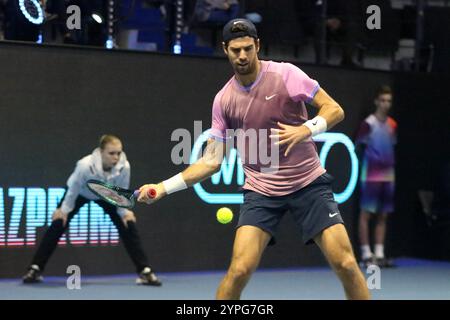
115	195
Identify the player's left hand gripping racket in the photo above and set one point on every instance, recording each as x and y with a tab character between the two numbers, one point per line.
115	195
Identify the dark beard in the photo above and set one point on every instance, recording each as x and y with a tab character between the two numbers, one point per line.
249	69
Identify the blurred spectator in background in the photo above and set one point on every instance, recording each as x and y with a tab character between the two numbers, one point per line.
56	11
343	25
221	11
376	137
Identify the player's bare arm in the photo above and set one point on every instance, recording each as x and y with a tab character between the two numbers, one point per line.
205	167
329	109
330	113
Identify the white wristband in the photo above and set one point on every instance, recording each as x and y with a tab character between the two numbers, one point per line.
174	184
316	125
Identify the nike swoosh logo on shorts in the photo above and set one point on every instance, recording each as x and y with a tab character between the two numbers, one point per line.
331	215
268	98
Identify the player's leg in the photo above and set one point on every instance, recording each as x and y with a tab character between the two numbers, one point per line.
249	245
363	232
380	234
259	218
335	245
370	193
386	207
317	213
50	242
126	226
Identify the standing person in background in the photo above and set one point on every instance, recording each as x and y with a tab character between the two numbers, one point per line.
377	136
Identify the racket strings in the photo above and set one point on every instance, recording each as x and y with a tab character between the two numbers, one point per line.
110	194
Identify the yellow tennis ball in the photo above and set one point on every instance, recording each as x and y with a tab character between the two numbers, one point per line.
224	215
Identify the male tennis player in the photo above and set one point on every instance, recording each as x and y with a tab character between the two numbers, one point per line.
269	95
107	163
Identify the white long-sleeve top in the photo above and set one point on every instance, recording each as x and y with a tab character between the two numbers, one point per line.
91	167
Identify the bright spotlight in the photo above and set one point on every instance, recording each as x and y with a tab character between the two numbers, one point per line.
98	18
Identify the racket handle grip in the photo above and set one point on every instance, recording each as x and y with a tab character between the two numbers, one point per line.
151	193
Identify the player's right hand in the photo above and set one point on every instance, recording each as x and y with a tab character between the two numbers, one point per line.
143	193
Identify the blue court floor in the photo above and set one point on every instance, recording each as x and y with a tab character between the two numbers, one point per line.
412	279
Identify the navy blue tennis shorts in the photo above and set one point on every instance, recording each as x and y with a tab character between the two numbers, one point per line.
313	208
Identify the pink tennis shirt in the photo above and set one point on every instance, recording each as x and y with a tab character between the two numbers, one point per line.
278	95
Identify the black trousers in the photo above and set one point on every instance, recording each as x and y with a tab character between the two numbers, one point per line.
128	234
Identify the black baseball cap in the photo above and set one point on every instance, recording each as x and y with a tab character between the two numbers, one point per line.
238	28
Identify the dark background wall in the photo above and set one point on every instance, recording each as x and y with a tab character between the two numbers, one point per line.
56	102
